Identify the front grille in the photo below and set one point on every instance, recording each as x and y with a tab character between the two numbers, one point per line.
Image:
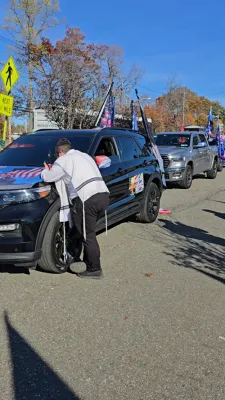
166	161
167	176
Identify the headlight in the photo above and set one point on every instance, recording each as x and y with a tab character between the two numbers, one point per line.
23	196
177	158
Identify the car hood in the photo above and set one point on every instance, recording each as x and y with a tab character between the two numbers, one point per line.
172	150
15	177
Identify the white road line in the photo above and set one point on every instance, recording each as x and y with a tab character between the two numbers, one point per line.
221	337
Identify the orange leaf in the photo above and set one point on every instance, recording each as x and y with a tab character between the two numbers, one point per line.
150	275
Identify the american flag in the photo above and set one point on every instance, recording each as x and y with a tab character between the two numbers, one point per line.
108	115
22	173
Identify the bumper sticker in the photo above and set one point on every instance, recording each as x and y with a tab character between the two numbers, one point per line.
136	184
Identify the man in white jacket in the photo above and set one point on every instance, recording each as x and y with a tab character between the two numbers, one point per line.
88	194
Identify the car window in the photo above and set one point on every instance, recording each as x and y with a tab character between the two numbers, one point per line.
202	137
173	139
107	148
144	147
130	149
195	140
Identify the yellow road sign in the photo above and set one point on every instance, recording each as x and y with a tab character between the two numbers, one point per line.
9	74
6	105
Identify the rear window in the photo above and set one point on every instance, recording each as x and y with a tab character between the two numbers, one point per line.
35	149
177	140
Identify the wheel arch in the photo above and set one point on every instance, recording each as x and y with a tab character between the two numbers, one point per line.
51	211
156	178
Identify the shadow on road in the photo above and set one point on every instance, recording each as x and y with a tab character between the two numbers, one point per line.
196	248
33	378
10	269
217	214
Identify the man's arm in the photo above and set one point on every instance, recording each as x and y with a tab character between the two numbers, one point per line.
54	174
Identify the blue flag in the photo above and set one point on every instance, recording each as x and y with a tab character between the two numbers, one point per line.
209	128
220	143
134	117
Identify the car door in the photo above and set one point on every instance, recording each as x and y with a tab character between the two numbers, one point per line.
205	152
115	175
135	162
198	159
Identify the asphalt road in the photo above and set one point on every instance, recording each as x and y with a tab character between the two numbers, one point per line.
128	336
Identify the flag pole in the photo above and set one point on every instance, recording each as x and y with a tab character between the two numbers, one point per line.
103	105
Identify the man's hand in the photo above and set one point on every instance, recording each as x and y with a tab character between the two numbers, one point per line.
47	166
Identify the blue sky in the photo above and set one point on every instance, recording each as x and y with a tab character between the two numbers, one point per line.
165	37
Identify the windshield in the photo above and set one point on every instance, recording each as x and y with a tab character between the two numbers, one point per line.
176	139
33	150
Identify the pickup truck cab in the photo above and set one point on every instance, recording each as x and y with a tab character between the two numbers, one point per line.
186	154
30	231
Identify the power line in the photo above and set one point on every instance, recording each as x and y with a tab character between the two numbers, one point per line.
147	88
11	42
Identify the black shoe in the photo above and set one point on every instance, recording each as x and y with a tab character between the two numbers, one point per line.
91	274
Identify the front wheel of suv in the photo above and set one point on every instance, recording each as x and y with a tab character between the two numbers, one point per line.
52	259
187	180
150	207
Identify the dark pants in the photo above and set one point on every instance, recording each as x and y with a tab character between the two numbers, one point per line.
94	209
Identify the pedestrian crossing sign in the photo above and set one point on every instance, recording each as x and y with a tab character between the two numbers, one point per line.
9	75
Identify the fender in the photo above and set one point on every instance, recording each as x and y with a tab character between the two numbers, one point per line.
155	177
51	211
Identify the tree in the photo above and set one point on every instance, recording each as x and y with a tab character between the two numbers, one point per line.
26	21
74	77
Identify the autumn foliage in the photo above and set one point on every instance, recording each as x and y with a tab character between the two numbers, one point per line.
180	104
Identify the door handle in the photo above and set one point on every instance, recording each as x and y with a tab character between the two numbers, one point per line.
119	170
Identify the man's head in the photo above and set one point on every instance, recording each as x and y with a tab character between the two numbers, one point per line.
62	147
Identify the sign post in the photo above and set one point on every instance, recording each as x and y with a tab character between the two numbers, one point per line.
10	76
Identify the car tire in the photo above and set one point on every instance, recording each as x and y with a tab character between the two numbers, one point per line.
213	172
187	180
220	166
151	205
50	261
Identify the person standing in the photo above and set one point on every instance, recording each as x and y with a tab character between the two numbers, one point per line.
78	177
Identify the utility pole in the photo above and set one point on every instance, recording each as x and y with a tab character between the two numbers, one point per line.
9	130
31	103
183	107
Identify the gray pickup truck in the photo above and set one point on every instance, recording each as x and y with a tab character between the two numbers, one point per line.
186	154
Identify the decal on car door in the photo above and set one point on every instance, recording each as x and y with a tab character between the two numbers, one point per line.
136	184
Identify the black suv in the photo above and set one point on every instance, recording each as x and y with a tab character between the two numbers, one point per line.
30	232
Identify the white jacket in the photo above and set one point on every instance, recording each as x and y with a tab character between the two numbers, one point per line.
80	171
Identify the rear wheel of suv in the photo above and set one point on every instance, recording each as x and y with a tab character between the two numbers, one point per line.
150	207
188	176
213	172
52	259
220	166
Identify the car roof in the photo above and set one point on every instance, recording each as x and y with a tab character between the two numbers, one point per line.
179	133
85	132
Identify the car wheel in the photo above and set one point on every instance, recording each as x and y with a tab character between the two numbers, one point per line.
151	205
213	172
220	166
52	259
188	176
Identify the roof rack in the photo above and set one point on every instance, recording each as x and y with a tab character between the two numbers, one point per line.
121	129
